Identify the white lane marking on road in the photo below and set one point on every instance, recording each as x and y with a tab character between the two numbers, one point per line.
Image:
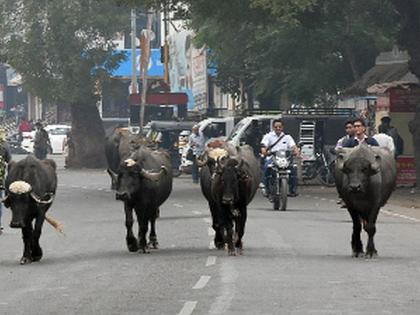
332	200
211	245
4	303
211	260
188	308
210	231
201	283
394	214
323	199
178	205
197	212
207	220
228	279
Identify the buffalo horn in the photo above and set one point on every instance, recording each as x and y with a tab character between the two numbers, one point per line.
39	200
153	175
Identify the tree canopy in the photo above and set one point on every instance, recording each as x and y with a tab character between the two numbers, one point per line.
61	48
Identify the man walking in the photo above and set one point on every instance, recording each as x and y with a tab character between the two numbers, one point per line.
359	135
5	158
196	145
41	141
349	129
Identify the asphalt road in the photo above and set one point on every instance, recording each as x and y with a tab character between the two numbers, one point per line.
294	262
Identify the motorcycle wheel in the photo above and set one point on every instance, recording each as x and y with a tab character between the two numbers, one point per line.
283	194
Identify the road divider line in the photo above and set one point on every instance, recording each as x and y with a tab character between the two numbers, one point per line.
402	216
210	231
178	205
188	308
197	212
211	245
202	282
211	260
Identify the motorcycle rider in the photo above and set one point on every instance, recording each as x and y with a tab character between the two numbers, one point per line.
274	141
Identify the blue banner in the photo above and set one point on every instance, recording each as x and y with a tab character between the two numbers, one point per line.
155	68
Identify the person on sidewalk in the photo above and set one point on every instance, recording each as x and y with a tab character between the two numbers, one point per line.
5	158
277	140
196	146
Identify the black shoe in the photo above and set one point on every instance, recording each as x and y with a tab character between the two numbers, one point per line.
292	194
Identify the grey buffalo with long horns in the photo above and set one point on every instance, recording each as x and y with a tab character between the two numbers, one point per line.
30	190
365	178
143	183
229	179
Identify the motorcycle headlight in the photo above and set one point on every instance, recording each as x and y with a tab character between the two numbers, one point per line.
282	162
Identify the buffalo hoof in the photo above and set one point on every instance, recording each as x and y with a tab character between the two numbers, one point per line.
25	260
219	245
154	244
36	254
145	250
232	252
357	254
239	251
371	254
132	244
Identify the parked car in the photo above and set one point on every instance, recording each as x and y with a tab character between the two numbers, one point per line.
57	134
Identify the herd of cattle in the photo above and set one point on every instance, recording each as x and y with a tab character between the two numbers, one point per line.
365	178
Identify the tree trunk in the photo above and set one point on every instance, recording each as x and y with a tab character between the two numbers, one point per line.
88	137
409	39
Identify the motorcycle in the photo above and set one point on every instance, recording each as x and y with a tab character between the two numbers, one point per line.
278	179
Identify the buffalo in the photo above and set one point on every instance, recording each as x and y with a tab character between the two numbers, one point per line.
143	183
365	178
229	180
30	190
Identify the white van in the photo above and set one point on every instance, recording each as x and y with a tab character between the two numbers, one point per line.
251	126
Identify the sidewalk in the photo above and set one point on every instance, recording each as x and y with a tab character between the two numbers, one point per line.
406	197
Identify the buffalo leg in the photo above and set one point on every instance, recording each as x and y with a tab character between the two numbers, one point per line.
130	238
228	225
370	229
27	244
356	242
240	229
153	242
218	237
143	227
36	249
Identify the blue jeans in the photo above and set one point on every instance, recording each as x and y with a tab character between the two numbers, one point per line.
293	180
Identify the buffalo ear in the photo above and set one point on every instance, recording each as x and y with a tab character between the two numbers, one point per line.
375	165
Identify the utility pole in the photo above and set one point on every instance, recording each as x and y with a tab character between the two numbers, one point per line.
133	52
145	39
165	45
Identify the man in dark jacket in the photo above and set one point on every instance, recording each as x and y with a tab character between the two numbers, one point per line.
41	142
359	135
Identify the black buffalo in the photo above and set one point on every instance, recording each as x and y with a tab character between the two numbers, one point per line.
229	183
143	183
365	179
30	189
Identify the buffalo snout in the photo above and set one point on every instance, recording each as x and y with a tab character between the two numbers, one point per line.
227	200
123	196
355	188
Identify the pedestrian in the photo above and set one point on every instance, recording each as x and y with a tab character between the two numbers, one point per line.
196	147
386	128
349	130
5	158
275	141
359	135
41	141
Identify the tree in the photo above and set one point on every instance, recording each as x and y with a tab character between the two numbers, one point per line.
64	53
